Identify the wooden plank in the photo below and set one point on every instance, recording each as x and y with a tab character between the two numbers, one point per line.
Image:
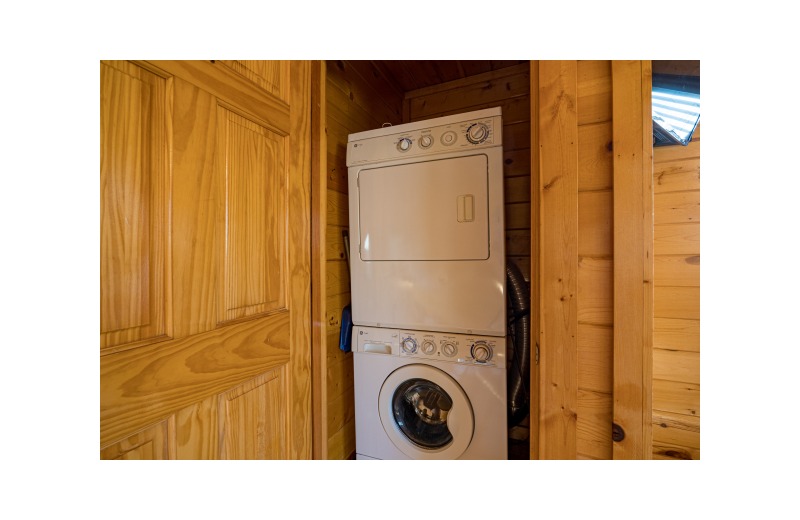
198	431
381	84
680	175
536	272
333	311
319	208
677	208
648	256
337	138
299	441
677	271
400	74
674	153
679	67
343	443
515	109
672	365
423	72
346	111
594	91
473	67
517	189
594	424
344	76
335	354
341	411
673	334
337	277
338	210
677	302
334	243
678	429
518	216
336	173
517	163
632	258
677	239
673	452
194	210
595	358
596	290
135	392
340	379
676	397
596	223
595	157
558	137
390	79
518	242
447	70
517	136
479	92
469	81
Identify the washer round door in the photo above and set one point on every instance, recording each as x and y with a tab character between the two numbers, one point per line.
426	413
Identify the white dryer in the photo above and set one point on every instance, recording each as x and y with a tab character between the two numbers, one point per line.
421	395
427	225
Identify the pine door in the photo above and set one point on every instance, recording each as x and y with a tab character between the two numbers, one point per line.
205	336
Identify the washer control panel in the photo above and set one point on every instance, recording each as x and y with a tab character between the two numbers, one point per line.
477	133
452	348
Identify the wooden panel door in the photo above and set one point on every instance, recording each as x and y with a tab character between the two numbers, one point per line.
205	257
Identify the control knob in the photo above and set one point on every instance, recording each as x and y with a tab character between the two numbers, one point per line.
481	352
409	345
449	349
404	145
477	133
425	141
428	347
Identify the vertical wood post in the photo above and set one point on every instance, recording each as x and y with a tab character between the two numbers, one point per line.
558	256
319	211
633	259
535	270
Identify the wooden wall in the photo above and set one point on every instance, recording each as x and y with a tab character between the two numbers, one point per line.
358	97
676	337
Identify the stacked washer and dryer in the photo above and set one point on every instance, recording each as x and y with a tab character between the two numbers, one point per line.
428	279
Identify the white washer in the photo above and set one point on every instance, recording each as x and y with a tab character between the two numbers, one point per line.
427	225
423	395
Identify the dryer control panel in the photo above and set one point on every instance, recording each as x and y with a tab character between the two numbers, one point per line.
482	132
463	349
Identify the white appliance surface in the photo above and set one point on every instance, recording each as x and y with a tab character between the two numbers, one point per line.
387	359
427	223
427	213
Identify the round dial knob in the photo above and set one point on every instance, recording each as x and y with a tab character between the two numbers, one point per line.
481	352
477	133
449	349
448	138
425	141
409	346
404	145
428	347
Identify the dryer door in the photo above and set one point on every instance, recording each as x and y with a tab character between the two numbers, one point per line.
430	210
426	413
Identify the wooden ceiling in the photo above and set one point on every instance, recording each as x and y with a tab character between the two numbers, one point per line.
411	75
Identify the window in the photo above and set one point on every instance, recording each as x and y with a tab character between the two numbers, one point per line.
676	108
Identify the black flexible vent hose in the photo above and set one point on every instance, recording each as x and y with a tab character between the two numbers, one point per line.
520	336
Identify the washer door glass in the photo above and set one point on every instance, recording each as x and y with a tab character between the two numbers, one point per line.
420	409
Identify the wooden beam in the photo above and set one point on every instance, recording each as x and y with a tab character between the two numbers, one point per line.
633	259
319	222
558	257
536	281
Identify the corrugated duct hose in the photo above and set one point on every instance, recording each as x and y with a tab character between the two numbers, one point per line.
519	325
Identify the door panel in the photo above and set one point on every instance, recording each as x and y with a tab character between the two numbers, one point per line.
230	369
271	75
134	187
251	216
149	444
254	419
